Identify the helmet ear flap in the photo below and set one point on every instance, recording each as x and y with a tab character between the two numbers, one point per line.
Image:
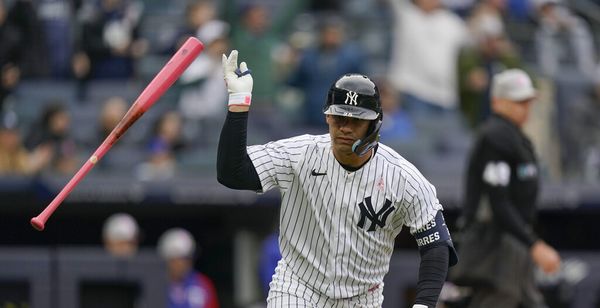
362	146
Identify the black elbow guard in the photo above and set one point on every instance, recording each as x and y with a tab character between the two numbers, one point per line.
435	233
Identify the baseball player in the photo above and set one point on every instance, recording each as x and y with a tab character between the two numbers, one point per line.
345	197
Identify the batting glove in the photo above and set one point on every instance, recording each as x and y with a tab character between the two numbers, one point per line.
419	306
239	81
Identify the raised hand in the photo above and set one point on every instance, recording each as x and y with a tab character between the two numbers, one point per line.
239	80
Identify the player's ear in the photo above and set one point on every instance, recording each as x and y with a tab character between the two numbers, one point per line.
327	119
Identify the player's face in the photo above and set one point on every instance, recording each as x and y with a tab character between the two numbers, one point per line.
345	131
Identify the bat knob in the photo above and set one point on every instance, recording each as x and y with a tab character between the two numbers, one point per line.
37	223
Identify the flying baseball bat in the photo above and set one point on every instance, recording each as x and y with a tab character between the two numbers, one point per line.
155	89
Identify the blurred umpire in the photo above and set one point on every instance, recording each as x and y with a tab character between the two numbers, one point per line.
498	247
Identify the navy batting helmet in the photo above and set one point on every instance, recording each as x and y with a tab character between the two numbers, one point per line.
357	96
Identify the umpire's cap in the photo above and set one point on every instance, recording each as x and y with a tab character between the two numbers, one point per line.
354	95
514	85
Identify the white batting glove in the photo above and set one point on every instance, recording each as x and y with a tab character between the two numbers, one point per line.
419	306
239	81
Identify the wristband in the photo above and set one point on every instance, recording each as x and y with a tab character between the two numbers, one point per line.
240	99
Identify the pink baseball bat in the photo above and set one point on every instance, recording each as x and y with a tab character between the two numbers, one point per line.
155	89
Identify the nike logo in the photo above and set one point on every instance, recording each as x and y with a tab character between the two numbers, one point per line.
315	173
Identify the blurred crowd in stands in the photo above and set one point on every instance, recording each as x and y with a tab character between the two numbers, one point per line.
71	68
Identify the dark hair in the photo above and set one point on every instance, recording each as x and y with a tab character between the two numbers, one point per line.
51	110
41	131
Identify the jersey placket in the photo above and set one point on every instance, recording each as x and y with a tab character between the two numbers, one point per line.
341	248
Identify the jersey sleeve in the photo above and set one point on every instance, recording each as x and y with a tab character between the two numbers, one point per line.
275	161
423	215
496	179
421	204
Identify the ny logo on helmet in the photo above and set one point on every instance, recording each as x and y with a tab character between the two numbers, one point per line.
351	98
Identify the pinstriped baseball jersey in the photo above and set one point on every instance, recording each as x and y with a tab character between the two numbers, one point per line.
337	228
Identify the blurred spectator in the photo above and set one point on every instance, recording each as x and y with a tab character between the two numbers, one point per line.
14	158
160	165
397	126
24	16
203	93
564	41
165	143
120	235
168	132
187	287
486	9
321	65
582	145
52	130
108	41
254	36
427	39
198	13
57	18
13	155
10	55
491	53
566	55
113	110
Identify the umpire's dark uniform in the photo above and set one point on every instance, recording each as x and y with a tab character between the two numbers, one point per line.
499	210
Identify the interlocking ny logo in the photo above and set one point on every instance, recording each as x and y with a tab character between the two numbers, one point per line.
367	211
351	98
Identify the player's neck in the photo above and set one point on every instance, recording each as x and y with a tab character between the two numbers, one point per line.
351	160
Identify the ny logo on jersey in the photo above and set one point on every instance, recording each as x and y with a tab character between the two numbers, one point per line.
376	218
351	98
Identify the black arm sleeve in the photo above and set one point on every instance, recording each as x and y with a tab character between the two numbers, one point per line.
234	167
504	212
432	274
507	217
